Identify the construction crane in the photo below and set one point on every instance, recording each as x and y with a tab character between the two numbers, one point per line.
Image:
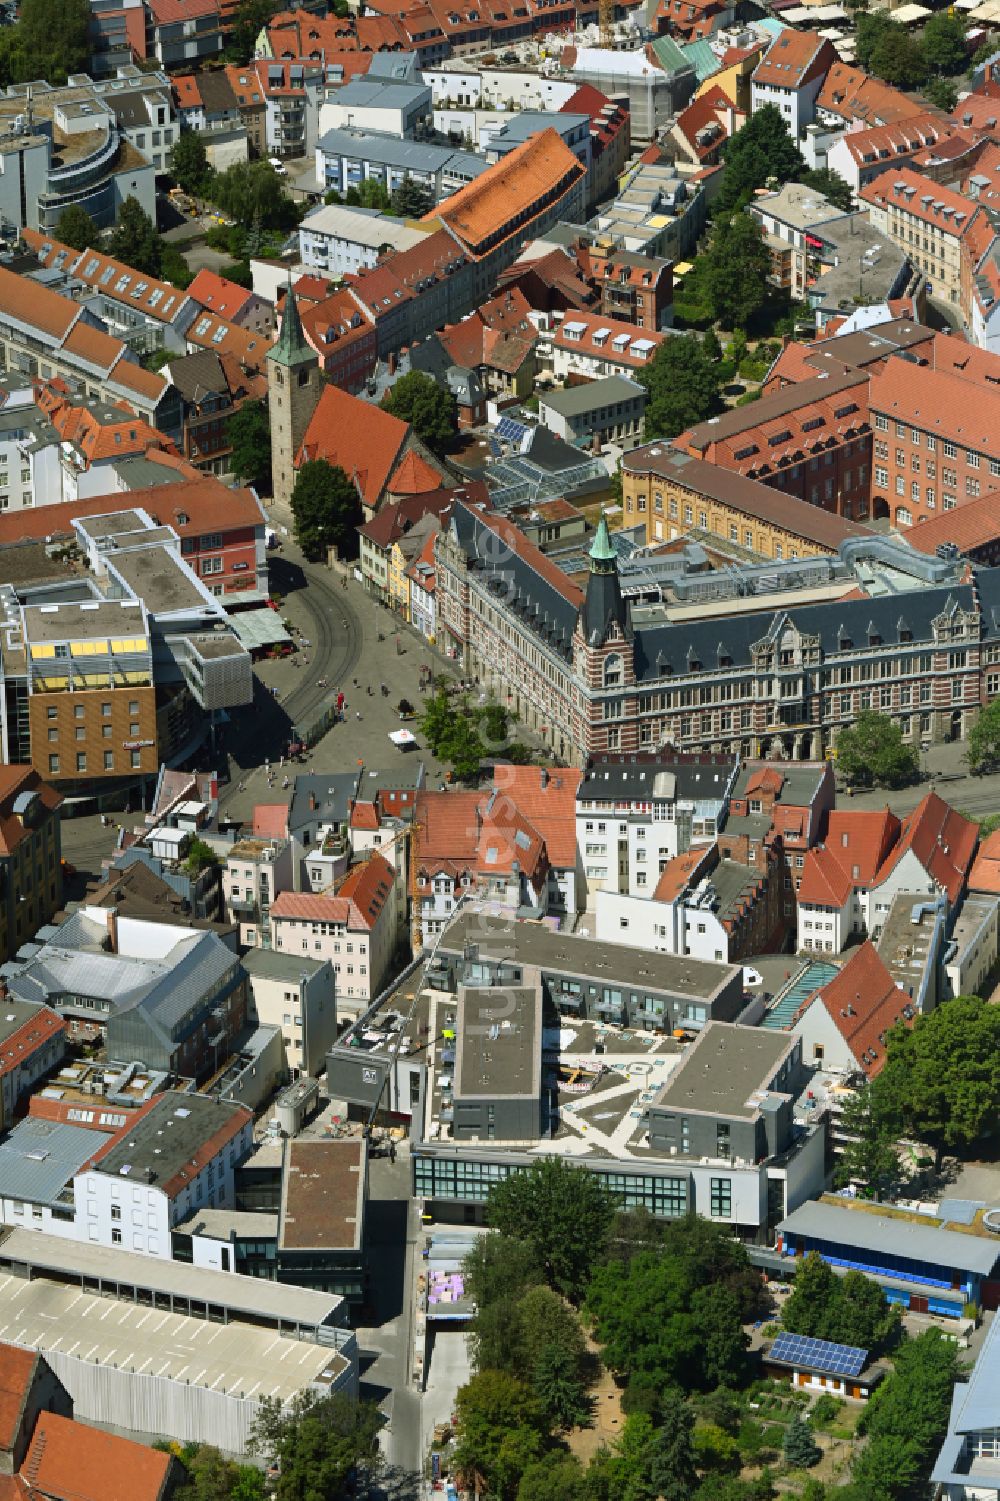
606	22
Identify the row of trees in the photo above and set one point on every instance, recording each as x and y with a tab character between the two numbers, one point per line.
50	41
134	240
465	734
411	200
850	1310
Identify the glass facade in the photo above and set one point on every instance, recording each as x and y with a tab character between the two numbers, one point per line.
469	1181
722	1198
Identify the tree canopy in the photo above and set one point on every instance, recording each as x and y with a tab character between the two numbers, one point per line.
736	267
563	1214
943	42
849	1311
189	162
134	239
831	185
249	434
906	1419
682	387
315	1442
411	200
983	740
75	227
760	150
326	509
249	19
252	194
873	750
869	1156
431	409
50	41
499	1431
941	1079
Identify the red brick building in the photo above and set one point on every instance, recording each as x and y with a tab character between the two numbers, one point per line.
811	440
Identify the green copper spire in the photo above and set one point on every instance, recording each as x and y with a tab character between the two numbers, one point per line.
291	348
601	550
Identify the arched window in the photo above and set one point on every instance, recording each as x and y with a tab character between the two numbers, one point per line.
613	671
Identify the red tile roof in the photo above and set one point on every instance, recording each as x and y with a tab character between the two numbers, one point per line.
942	840
850	92
494	206
36	306
113	279
205	504
28	1037
973	524
359	437
270	820
15	779
793	58
855	846
187	94
68	1461
678	873
937	401
985	874
207	331
413	475
864	1003
919	197
547	798
218	294
608	339
358	904
17	1370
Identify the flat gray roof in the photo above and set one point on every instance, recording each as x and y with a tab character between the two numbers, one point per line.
14	1014
417	156
165	1139
894	1236
113	522
498	1042
726	1071
271	965
159	579
253	1296
227	1224
566	953
574	401
80	622
235	1359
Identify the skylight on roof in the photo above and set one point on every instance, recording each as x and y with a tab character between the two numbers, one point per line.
202	328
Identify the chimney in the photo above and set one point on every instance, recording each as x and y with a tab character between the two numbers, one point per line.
545	776
312	802
393	362
113	930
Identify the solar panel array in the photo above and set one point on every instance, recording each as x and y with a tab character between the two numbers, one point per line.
819	1354
509	430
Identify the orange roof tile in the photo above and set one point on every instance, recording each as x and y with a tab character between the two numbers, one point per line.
492	207
361	438
17	1369
413	476
851	93
68	1461
218	294
187	94
937	401
270	820
29	1036
678	873
973	524
985	874
792	59
210	332
547	797
942	840
358	904
113	279
191	506
864	1003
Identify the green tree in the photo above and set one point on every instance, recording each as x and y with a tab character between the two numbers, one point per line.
211	1477
906	1419
411	200
498	1434
862	1315
943	42
831	185
737	266
429	408
762	149
134	239
710	346
671	1451
326	509
50	41
983	748
554	1477
370	193
869	1156
873	750
189	162
898	58
942	93
682	387
805	1310
76	228
556	1380
869	28
942	1076
252	194
200	856
249	20
715	1450
562	1212
250	437
315	1442
798	1446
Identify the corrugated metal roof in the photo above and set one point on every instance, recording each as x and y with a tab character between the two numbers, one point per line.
892	1236
40	1157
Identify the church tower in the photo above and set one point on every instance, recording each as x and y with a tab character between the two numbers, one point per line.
294	386
604	615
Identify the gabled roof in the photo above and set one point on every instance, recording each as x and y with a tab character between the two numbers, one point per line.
548	799
413	475
270	820
938	401
973	524
942	840
793	58
985	874
864	1003
361	438
358	904
113	279
218	294
849	92
68	1461
856	845
17	1372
